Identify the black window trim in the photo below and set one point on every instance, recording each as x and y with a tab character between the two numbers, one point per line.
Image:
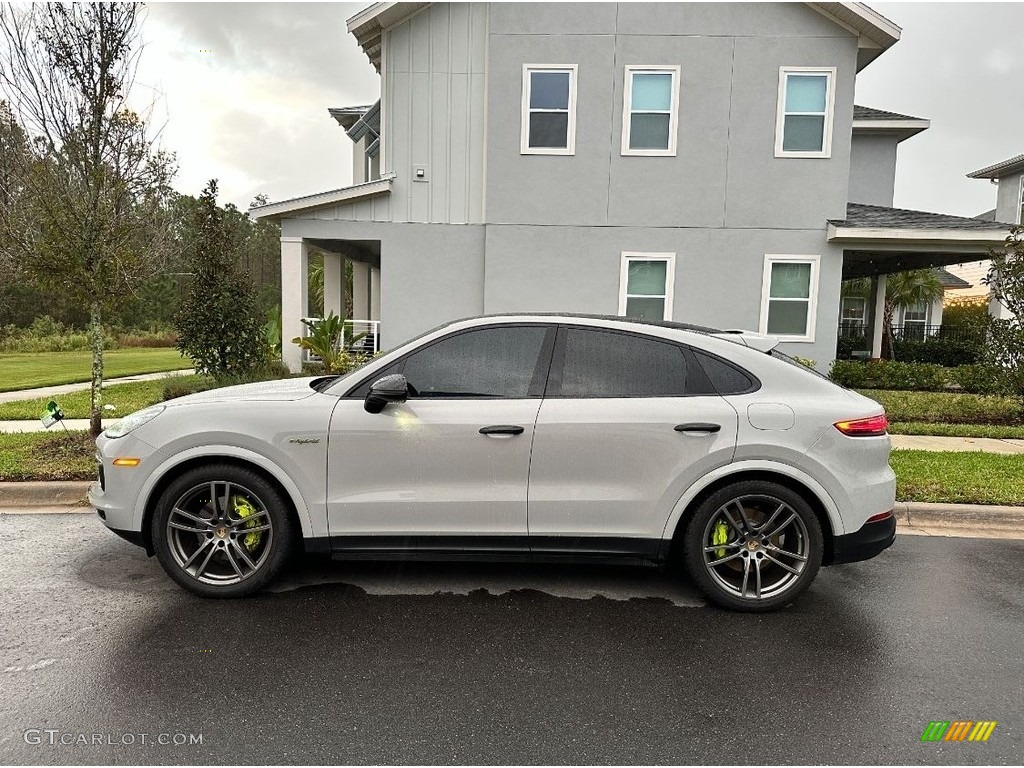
537	382
693	368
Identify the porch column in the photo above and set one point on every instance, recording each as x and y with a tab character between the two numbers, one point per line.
334	297
294	298
360	290
878	316
374	293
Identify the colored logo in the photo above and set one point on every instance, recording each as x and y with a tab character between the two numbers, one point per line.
959	730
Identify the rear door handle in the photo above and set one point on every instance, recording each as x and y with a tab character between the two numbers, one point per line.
708	428
503	429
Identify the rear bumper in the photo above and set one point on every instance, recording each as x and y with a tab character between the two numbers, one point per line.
870	540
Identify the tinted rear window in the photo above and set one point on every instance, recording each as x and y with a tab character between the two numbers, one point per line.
608	364
726	378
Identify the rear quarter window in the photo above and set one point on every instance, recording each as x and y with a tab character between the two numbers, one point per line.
727	378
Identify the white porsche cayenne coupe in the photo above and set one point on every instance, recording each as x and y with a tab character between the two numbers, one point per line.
520	437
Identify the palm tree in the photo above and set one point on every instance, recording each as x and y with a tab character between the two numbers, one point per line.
902	289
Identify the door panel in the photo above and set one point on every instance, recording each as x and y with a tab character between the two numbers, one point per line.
617	466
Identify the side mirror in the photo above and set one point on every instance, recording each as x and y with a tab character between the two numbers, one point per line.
390	389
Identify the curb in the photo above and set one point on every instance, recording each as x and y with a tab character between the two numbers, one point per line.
987	516
67	493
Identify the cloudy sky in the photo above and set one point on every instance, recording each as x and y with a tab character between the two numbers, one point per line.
243	89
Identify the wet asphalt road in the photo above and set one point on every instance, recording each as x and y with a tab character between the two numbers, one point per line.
502	664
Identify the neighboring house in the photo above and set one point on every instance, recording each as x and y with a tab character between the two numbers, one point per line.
1008	176
914	321
697	162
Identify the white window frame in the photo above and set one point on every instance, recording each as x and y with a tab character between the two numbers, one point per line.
670	279
812	299
673	119
524	132
830	108
863	320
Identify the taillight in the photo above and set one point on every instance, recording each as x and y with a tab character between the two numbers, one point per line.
869	427
879	517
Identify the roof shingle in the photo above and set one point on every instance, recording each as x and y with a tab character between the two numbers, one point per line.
881	217
870	113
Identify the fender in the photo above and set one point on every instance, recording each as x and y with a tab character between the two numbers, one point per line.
755	465
212	452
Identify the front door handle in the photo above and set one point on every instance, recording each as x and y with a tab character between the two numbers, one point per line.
708	428
503	429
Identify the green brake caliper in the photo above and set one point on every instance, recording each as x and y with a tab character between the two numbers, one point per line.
719	535
244	509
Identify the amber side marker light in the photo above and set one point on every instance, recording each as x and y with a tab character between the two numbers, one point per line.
127	462
872	426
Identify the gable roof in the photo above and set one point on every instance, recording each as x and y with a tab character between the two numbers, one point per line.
949	280
875	33
1005	168
347	116
870	113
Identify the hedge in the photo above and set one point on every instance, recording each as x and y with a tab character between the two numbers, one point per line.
925	377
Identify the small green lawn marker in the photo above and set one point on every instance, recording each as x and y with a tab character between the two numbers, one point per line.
52	415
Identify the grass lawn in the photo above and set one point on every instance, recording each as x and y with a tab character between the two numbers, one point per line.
959	478
47	456
948	407
25	370
124	397
953	430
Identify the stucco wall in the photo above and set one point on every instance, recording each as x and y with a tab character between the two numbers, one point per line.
872	169
725	173
1008	199
576	269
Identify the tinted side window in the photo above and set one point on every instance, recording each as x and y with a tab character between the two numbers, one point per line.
491	362
726	378
600	364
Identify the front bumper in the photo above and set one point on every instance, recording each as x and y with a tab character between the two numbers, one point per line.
870	540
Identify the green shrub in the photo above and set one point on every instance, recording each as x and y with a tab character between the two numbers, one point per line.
948	407
892	374
981	379
179	386
945	352
849	373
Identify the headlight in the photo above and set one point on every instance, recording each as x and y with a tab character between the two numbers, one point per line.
133	421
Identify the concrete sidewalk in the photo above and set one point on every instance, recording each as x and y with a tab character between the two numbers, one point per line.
959	444
969	520
63	389
35	425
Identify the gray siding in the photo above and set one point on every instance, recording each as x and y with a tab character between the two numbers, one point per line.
433	105
725	172
873	169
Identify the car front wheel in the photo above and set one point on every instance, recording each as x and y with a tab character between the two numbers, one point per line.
222	531
753	546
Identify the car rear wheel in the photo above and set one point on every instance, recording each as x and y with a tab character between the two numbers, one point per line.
222	531
753	546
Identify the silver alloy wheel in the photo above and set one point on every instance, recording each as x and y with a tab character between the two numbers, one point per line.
755	546
219	533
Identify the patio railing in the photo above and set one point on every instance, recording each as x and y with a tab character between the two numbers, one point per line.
915	332
360	336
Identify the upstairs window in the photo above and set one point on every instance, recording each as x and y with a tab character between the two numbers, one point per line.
650	110
646	284
804	124
549	110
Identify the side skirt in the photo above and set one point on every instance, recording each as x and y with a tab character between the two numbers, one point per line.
602	549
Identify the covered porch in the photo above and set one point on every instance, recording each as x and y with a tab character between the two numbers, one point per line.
346	226
878	241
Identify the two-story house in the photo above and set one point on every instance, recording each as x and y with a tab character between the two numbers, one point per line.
697	162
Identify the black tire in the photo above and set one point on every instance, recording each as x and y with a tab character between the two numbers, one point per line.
244	521
746	567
